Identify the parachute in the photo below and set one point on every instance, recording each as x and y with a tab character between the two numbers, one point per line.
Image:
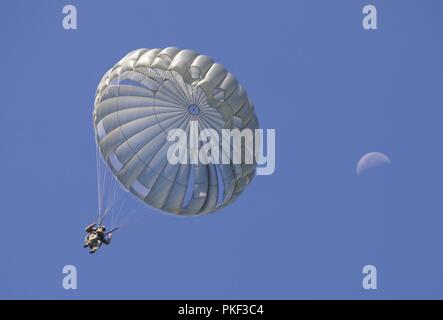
140	100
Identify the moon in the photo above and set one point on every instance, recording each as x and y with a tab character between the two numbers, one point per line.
372	160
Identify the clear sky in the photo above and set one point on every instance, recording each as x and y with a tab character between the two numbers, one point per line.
332	91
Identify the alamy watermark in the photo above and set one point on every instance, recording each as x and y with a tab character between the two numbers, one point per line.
70	278
70	19
369	21
230	146
369	281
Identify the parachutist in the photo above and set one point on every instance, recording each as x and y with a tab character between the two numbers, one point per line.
96	236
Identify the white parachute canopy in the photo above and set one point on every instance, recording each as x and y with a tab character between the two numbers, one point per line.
146	95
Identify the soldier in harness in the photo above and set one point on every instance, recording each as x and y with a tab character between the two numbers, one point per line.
96	236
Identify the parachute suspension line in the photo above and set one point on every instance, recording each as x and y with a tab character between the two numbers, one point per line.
103	182
99	179
113	186
110	197
118	206
105	186
129	213
114	200
113	203
118	211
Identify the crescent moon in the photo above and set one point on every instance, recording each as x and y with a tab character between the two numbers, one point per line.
372	160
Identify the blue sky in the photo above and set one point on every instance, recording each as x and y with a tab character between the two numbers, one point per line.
332	91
